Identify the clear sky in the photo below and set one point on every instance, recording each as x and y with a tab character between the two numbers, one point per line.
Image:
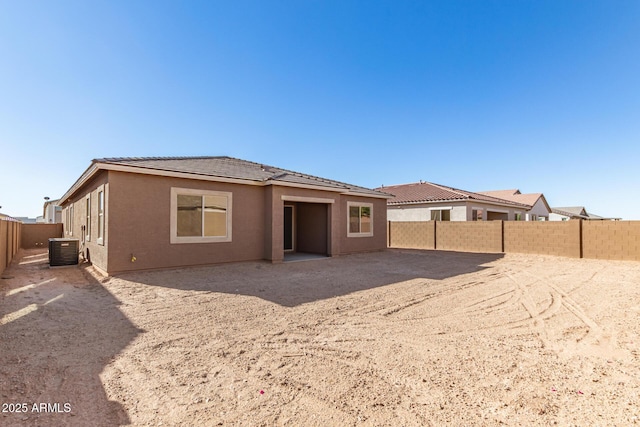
543	96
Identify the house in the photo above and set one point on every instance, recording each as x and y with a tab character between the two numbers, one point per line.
539	209
425	201
155	212
575	212
52	212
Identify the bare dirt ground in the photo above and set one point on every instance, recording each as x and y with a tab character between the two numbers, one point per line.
399	338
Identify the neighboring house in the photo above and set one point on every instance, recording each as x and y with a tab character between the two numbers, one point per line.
575	212
148	213
539	209
425	201
27	220
52	212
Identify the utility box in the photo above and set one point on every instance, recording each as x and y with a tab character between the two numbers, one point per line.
63	251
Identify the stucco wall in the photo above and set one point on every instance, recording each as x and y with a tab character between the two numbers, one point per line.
363	244
409	213
91	248
139	224
539	209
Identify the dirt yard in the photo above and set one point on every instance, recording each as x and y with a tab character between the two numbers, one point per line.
399	338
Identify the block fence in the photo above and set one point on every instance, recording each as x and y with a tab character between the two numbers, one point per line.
613	240
15	235
10	232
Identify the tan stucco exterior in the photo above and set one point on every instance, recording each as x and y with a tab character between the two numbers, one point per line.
137	220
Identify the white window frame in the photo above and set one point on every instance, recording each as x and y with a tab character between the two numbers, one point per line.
440	210
360	205
101	214
175	239
87	209
71	220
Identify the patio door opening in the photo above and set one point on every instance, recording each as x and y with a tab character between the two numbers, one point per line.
306	230
289	229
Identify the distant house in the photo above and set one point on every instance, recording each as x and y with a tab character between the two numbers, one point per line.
425	201
539	209
575	212
52	212
148	213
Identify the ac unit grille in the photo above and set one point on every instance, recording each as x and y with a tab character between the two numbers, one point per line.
63	252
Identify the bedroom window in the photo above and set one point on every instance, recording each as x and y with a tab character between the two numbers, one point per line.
200	216
360	219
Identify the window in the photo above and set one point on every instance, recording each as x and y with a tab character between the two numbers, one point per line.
200	216
476	215
101	217
518	216
360	219
88	218
71	220
441	215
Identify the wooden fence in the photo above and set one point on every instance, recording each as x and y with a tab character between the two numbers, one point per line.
615	240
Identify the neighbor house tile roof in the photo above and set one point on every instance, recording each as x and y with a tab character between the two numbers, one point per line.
426	192
222	167
514	195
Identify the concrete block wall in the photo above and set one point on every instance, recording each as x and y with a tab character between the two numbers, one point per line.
546	238
618	240
9	242
614	240
38	235
481	236
412	235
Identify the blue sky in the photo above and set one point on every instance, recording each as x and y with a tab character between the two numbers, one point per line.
543	96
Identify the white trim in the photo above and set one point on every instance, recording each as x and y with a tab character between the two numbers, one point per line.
373	196
443	208
306	199
102	219
359	204
175	239
87	217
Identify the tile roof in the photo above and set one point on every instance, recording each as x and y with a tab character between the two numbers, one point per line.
578	211
233	168
514	195
425	192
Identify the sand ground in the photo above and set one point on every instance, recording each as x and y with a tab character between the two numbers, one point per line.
397	338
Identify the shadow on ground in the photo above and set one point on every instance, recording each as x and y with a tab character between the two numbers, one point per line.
292	284
52	352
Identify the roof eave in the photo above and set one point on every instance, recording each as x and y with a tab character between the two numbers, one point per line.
97	166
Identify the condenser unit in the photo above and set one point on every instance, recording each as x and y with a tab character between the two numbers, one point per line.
63	252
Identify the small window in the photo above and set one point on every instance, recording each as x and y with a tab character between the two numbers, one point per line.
476	215
199	216
100	217
71	220
88	218
441	215
518	216
360	219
